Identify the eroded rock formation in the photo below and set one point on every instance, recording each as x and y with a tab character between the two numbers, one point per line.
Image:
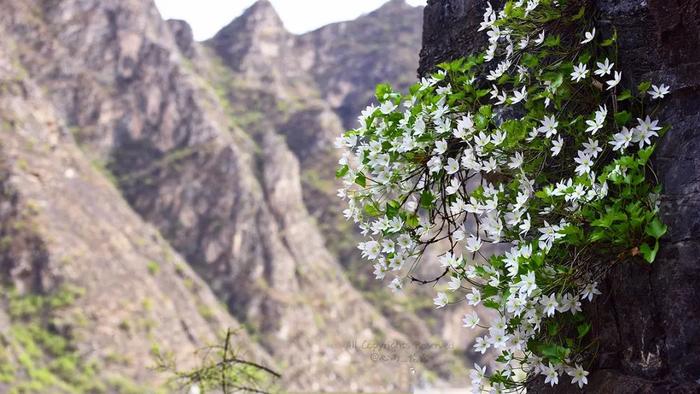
184	187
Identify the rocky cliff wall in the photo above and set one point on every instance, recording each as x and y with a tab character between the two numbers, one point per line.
89	292
198	140
648	320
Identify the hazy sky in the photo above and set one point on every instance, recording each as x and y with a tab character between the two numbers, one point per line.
208	16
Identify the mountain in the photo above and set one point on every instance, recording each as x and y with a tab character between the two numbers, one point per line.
89	290
157	191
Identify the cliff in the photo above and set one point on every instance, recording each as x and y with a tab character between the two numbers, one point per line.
647	323
157	191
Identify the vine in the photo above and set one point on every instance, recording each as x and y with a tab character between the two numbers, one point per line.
532	149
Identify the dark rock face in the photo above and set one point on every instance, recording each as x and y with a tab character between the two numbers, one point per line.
184	38
449	31
648	319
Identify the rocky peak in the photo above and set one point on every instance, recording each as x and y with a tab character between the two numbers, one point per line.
254	38
184	38
395	6
264	12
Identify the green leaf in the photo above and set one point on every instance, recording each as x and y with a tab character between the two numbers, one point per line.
340	172
645	154
426	200
552	41
381	90
648	253
611	40
554	352
656	228
491	304
622	117
392	209
579	14
372	210
485	110
529	60
625	95
361	180
583	329
412	222
644	87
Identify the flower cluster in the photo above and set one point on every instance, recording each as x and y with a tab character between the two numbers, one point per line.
531	148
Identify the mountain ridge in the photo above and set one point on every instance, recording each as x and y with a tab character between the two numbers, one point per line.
227	156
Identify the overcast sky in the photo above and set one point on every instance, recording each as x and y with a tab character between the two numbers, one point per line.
208	16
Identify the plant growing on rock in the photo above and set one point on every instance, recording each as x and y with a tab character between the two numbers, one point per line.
533	145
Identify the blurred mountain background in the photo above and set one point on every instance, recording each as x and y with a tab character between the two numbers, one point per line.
156	190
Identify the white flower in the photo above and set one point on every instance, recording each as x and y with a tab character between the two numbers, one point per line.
527	283
450	260
435	164
574	305
490	166
622	139
604	68
591	148
474	298
453	187
585	163
590	291
531	5
440	147
549	126
549	303
580	72
540	38
551	375
481	345
557	145
396	285
645	131
550	233
470	320
578	376
598	120
519	96
523	43
387	107
525	226
658	92
455	283
498	137
477	375
613	82
516	161
589	36
473	244
452	166
419	127
441	300
370	249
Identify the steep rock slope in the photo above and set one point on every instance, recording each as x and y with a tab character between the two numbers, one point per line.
648	322
89	291
228	201
264	82
348	59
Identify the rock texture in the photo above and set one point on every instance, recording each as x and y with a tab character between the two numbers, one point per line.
649	319
348	59
223	155
62	223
